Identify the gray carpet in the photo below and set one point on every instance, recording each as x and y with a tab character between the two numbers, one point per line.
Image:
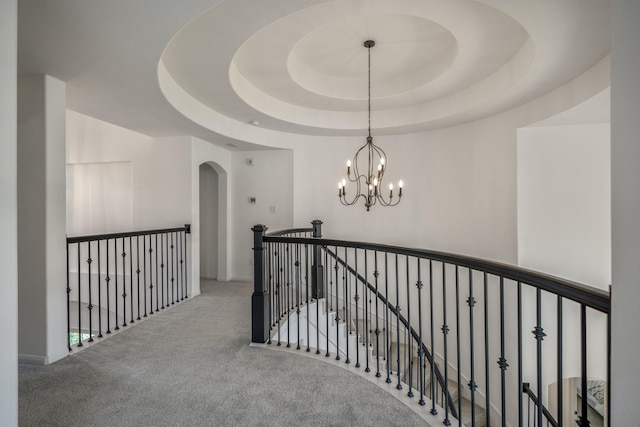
192	366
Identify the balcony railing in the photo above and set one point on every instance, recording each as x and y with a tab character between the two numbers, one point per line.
444	327
116	279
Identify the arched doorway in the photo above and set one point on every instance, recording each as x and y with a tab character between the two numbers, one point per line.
213	220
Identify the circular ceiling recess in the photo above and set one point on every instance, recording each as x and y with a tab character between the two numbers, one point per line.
310	67
301	67
332	61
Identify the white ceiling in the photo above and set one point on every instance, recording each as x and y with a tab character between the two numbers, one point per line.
208	68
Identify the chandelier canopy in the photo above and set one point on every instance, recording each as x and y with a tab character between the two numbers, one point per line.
368	178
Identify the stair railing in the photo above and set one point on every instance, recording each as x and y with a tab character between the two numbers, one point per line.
443	390
116	279
471	317
532	399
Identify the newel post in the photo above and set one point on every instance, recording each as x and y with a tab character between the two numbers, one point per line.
317	272
260	297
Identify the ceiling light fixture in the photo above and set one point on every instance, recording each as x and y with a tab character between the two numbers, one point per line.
372	177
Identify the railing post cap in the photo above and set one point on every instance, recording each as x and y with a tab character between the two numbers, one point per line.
259	228
316	221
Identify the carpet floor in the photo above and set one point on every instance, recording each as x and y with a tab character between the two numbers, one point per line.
192	366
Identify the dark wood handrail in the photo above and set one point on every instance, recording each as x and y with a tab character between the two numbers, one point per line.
594	298
77	239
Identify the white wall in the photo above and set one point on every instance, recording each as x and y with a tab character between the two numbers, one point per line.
160	168
41	219
8	214
93	189
564	200
625	198
269	178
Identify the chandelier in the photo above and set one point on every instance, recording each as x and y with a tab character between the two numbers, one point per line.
368	180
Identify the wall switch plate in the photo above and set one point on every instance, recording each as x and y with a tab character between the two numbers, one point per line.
252	200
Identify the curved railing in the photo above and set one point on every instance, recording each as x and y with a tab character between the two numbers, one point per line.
479	353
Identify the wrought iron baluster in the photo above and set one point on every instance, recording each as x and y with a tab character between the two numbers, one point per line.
445	333
327	297
419	285
79	300
130	280
472	382
399	357
519	338
376	273
409	337
158	278
486	350
272	295
68	302
108	279
337	320
306	280
124	285
297	283
357	299
186	270
284	272
99	293
458	364
502	362
90	306
280	300
347	299
387	345
318	292
138	271
559	399
583	419
162	270
539	334
115	273
173	266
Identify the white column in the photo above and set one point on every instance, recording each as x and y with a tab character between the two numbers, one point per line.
625	199
41	220
8	215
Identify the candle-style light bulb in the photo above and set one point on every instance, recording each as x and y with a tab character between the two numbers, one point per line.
382	161
390	190
344	182
400	184
375	182
348	163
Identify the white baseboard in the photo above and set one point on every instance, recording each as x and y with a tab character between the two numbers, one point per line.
32	359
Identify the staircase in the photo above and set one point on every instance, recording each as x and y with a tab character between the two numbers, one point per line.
358	349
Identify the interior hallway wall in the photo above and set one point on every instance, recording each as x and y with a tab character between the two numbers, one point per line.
41	220
625	200
8	213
